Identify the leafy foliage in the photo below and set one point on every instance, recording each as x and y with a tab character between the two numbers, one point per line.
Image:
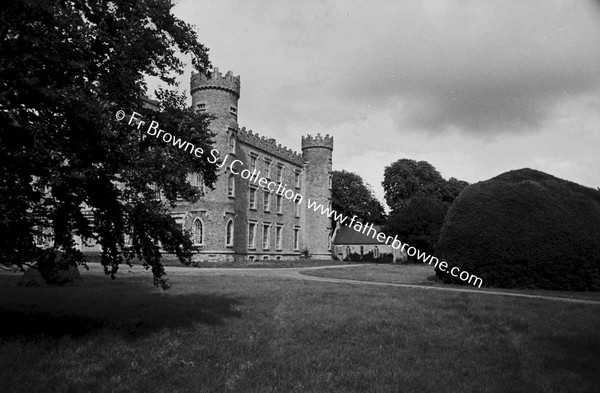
66	68
419	223
405	179
351	196
419	198
525	229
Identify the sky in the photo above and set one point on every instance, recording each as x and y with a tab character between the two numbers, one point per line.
476	88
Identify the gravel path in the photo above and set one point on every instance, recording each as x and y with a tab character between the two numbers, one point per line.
296	273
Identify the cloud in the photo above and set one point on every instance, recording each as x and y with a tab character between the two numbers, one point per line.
482	67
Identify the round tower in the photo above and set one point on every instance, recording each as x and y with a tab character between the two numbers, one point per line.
217	95
316	227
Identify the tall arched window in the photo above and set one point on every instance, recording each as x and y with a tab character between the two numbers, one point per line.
198	232
376	252
232	143
229	232
231	186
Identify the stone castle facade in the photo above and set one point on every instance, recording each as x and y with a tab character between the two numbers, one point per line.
240	220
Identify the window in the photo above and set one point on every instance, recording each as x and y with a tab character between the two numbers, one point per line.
297	179
229	233
265	257
266	236
329	241
279	204
278	237
251	234
233	110
330	181
253	198
179	220
267	201
198	232
296	239
253	158
196	180
201	107
278	258
279	173
231	186
267	168
232	143
251	258
297	206
376	252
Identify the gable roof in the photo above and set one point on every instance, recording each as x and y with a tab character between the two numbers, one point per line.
346	235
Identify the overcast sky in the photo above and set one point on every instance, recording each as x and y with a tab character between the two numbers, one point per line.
476	88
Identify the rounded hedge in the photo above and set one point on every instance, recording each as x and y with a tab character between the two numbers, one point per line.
524	229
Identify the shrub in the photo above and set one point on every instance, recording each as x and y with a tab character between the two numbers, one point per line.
525	229
368	257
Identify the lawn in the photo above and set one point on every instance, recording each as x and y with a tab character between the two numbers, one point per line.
421	274
250	334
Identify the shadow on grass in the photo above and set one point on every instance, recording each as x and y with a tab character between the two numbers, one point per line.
132	310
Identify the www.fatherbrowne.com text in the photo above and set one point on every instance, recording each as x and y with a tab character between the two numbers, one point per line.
235	166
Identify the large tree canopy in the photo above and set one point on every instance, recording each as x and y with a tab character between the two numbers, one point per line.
351	196
419	198
419	222
405	179
66	68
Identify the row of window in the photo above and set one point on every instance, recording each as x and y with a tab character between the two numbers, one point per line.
198	235
201	107
267	172
252	202
266	236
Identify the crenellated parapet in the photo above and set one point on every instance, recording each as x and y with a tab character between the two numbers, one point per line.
227	82
317	141
268	145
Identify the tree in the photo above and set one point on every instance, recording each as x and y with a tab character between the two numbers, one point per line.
419	222
452	189
66	68
524	229
351	196
405	179
419	198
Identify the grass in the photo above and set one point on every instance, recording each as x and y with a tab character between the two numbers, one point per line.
421	274
171	260
253	334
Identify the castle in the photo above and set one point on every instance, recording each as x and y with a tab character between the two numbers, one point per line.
240	220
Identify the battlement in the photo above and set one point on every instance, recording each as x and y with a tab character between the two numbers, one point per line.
269	145
317	141
227	82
